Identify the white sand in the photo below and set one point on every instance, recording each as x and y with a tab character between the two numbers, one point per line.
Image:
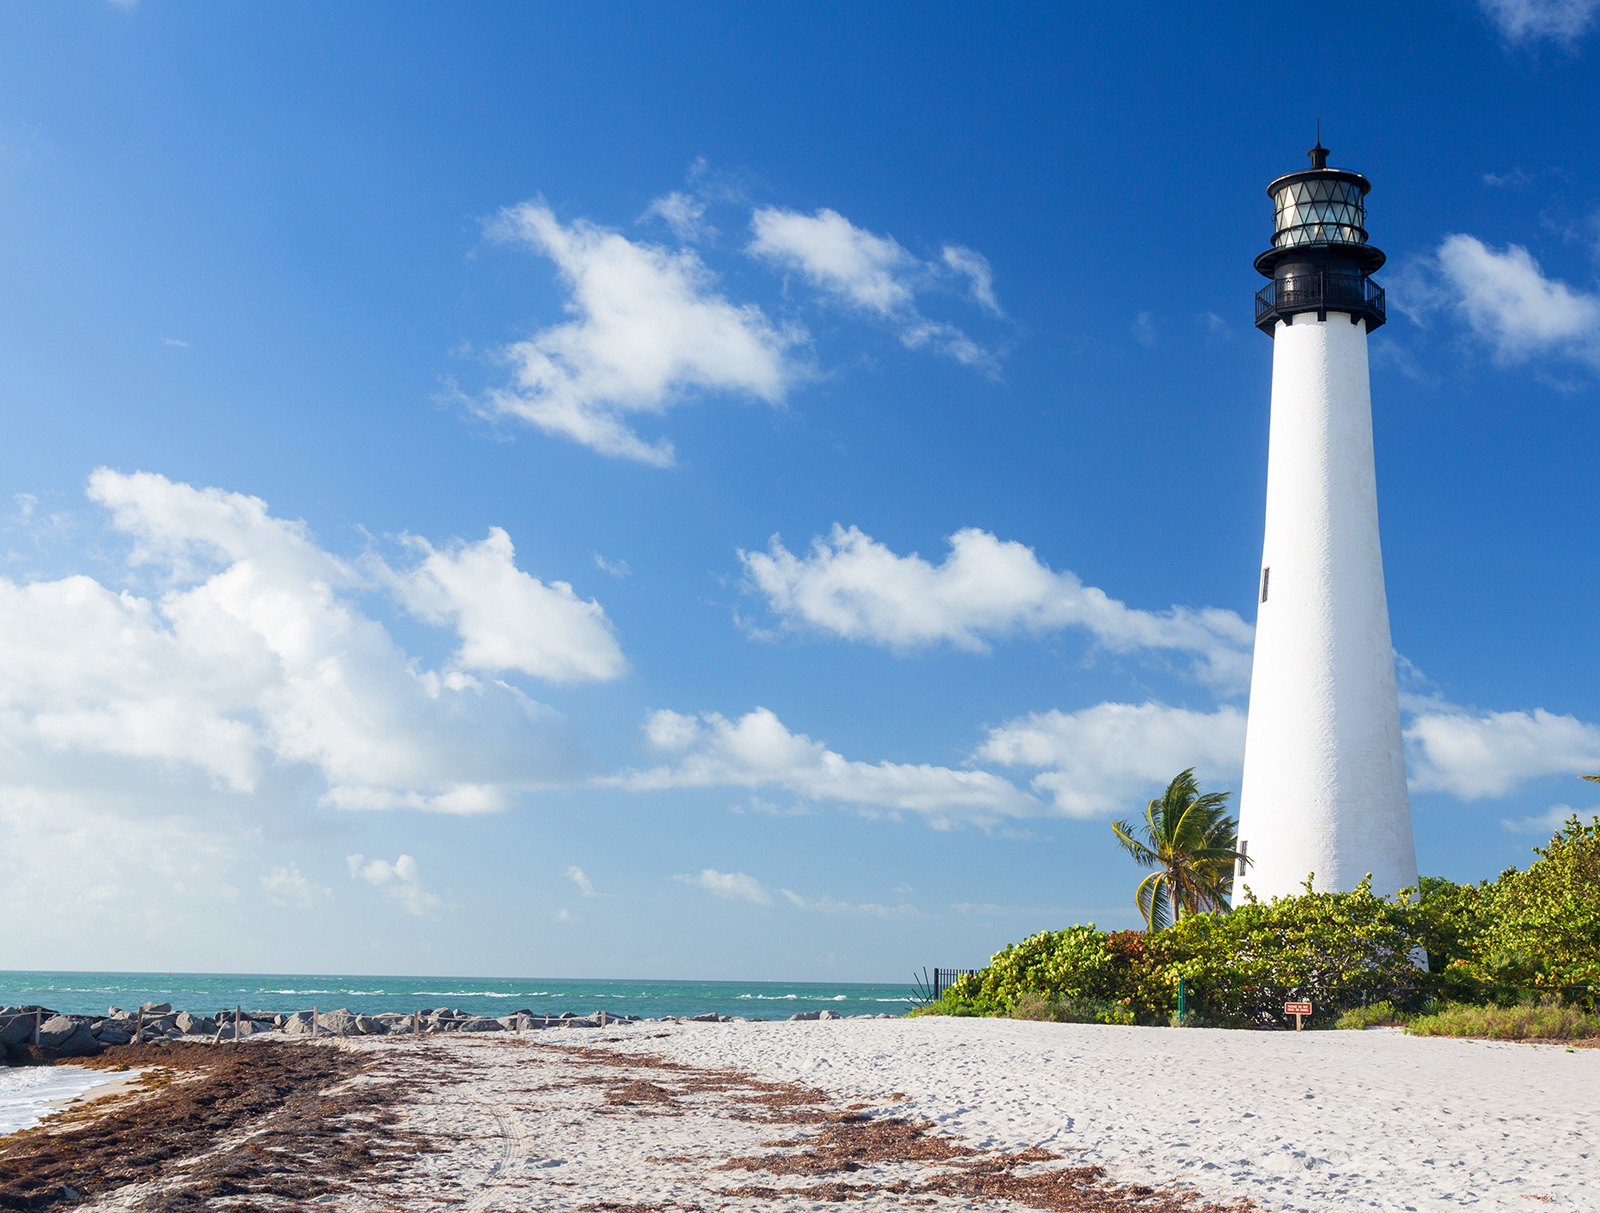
1320	1122
1313	1121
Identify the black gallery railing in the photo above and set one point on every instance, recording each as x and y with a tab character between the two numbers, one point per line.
1320	291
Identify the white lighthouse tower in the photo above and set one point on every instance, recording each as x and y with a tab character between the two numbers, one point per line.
1324	786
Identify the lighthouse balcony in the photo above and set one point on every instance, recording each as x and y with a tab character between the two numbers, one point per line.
1320	291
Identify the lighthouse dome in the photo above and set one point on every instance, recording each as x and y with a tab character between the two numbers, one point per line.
1320	206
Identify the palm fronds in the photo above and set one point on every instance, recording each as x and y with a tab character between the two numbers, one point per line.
1192	843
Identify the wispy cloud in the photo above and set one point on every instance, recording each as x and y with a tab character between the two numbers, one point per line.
400	880
1560	21
576	876
288	886
650	329
851	586
173	341
875	275
731	886
1548	822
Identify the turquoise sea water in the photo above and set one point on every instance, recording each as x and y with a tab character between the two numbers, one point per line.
92	993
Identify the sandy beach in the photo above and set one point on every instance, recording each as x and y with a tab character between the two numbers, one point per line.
929	1113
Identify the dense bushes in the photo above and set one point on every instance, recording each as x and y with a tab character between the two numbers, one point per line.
1548	1019
1535	930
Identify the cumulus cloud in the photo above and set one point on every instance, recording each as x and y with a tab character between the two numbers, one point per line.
506	619
648	329
731	886
757	751
401	880
1505	299
576	876
1107	759
874	274
288	886
256	657
1474	755
851	586
1562	21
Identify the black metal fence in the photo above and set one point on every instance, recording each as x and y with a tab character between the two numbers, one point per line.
1321	291
930	988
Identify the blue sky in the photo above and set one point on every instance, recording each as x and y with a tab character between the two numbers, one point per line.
693	491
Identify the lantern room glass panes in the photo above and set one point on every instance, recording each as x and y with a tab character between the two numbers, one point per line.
1319	211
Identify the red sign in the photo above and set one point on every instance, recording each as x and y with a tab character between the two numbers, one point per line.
1297	1008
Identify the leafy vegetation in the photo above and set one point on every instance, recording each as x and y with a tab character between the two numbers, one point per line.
1377	1015
1515	958
1191	842
1548	1019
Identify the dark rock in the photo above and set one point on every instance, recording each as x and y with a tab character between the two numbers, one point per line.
112	1036
708	1017
194	1025
805	1015
482	1025
368	1026
829	1015
155	1008
16	1029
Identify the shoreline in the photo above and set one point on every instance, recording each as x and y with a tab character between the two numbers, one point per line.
1002	1114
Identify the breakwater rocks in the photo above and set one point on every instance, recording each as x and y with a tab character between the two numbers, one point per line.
35	1034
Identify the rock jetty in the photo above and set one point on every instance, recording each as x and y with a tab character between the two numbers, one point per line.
36	1034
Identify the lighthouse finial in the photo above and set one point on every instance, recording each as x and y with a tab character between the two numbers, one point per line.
1319	154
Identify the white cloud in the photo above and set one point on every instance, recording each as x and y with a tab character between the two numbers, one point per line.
617	568
757	751
256	657
1548	822
290	887
1506	299
851	586
1111	758
684	213
175	342
401	880
736	886
648	329
975	267
1562	21
506	619
875	275
576	876
1475	755
732	886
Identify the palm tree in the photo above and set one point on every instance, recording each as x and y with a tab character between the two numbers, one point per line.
1192	843
1591	778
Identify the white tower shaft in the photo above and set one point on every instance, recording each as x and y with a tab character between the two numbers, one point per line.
1324	786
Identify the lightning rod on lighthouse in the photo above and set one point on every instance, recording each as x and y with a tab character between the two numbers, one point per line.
1324	787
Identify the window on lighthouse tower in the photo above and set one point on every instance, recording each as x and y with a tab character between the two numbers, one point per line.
1266	577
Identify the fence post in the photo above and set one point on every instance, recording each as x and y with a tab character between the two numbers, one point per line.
238	1011
313	1023
1183	1001
38	1019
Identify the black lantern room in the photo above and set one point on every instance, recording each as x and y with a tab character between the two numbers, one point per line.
1320	260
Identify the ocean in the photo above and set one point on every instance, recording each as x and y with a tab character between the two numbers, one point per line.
93	993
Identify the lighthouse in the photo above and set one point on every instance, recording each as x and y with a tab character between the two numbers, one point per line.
1324	787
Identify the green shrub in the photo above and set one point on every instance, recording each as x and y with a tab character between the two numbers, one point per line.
1545	927
1077	965
1031	1005
1548	1019
1334	950
1377	1015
